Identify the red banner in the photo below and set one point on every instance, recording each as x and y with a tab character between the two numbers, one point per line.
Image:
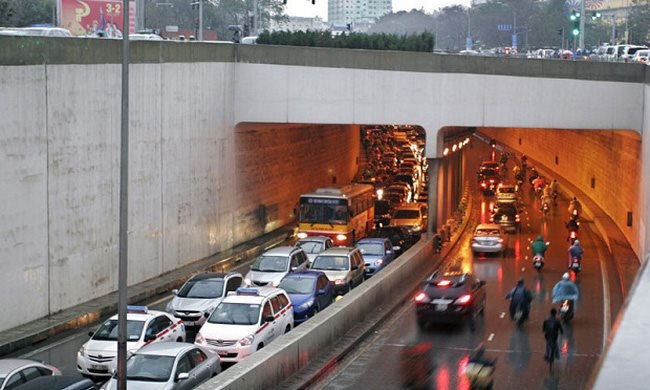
95	18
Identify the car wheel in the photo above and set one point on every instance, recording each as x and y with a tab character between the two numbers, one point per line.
287	329
260	346
179	340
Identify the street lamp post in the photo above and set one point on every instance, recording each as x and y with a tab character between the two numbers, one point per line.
468	40
581	41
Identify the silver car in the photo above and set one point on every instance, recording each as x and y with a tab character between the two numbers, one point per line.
201	294
14	372
168	366
489	238
313	245
271	266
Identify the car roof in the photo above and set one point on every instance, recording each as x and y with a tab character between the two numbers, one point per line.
262	294
304	274
10	364
372	240
314	238
208	275
141	316
409	206
171	348
280	251
57	382
485	226
337	251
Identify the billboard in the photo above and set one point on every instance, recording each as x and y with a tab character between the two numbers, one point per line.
95	18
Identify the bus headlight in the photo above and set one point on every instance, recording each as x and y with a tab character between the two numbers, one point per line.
301	235
341	237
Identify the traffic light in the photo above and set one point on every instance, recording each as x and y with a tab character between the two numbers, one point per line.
575	18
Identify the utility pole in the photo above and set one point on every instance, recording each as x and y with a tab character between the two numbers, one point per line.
200	37
581	43
140	15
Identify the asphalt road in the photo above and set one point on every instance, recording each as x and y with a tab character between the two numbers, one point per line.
383	361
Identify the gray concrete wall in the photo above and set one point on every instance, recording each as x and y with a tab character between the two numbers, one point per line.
195	178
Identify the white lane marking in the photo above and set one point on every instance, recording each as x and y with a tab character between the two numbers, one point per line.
491	336
169	297
503	314
606	302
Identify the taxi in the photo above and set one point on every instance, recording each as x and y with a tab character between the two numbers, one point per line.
246	321
98	356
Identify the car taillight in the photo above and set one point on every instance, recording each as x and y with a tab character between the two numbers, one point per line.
421	297
444	283
483	184
517	218
464	299
573	234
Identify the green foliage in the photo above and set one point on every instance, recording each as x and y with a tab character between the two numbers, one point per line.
22	13
639	22
380	41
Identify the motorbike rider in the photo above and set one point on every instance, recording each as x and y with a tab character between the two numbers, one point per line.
574	204
520	297
552	186
539	246
572	224
565	289
552	329
538	183
575	250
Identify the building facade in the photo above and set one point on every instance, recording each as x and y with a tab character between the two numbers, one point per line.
357	11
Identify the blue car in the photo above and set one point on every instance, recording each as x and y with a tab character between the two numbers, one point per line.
309	291
377	253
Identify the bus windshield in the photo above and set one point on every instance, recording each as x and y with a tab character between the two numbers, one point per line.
333	214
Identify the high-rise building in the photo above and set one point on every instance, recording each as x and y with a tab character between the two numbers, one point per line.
357	11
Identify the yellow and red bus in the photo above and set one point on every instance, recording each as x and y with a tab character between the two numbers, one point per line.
345	214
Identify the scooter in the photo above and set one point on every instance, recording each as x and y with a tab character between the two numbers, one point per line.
573	236
545	208
566	311
575	265
538	262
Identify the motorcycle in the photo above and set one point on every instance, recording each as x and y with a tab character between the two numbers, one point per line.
545	208
573	236
575	265
566	311
538	262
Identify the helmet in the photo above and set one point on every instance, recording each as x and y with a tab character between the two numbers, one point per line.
576	242
566	276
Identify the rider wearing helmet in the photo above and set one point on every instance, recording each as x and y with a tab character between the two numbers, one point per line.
574	205
565	289
519	297
539	246
575	250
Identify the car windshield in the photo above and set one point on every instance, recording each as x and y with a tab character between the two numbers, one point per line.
311	246
332	263
371	248
149	368
202	289
271	264
108	330
486	232
406	214
235	314
489	172
294	285
507	190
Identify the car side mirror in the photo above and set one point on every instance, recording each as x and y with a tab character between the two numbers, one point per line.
175	291
294	269
149	337
269	318
206	315
182	376
91	333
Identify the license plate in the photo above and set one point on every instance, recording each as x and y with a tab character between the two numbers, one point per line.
222	353
98	367
441	307
188	323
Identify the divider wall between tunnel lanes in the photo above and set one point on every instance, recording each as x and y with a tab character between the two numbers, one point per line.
291	352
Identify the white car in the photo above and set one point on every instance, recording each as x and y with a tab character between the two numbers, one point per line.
313	245
14	372
489	238
168	366
270	267
200	295
98	356
245	322
506	193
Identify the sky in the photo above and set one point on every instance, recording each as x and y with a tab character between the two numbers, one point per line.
306	9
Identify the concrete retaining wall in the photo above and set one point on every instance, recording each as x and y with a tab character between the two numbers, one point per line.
604	165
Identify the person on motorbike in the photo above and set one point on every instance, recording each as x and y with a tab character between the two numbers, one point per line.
565	289
538	183
572	224
575	251
539	246
545	200
520	298
552	329
553	187
574	205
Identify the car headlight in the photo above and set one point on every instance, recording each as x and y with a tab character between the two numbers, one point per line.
199	339
248	340
339	281
275	283
379	262
416	228
82	350
248	282
307	304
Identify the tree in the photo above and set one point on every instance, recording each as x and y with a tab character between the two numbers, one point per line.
639	22
22	13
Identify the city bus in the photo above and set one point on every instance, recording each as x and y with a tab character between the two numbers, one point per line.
345	214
